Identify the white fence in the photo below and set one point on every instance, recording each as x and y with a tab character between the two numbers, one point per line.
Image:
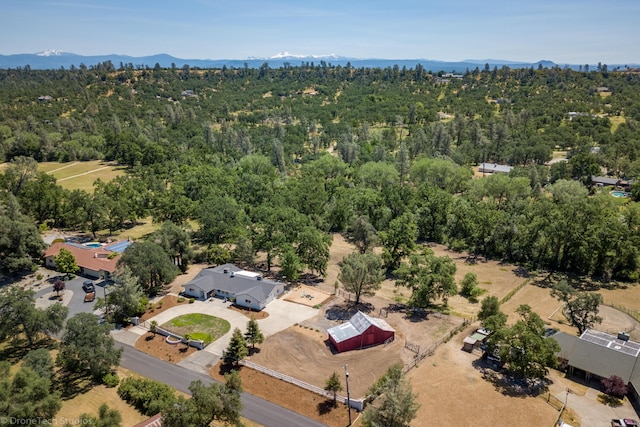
357	404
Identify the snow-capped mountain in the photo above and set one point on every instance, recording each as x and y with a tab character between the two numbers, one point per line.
287	55
55	59
51	52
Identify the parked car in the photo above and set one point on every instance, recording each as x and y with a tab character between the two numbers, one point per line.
623	422
88	287
89	296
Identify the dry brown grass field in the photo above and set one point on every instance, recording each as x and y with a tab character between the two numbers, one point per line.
89	403
81	175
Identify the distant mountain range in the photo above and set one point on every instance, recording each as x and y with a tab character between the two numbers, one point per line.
55	59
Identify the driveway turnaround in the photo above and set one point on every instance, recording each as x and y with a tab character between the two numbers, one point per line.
282	314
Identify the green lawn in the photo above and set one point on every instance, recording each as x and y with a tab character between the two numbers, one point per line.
199	326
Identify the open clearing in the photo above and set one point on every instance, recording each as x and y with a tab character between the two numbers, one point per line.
89	403
81	175
303	351
451	390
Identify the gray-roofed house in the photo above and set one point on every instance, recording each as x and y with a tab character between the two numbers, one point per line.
359	332
604	181
245	288
597	354
494	168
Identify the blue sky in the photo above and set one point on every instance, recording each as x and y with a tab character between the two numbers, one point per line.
563	31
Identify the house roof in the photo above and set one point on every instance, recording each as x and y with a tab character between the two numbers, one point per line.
95	259
155	421
494	167
604	180
601	354
358	324
231	279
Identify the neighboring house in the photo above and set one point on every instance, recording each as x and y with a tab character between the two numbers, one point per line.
94	261
494	168
187	92
245	288
600	355
155	421
359	332
604	181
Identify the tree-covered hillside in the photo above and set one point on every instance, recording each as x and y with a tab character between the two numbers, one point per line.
273	159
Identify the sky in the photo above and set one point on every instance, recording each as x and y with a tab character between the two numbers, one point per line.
563	31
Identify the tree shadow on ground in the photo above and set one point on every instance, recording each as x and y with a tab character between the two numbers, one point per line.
326	406
344	311
19	347
310	279
255	350
580	283
520	271
507	384
227	368
72	384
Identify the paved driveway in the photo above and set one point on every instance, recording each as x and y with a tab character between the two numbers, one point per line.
584	401
73	296
282	314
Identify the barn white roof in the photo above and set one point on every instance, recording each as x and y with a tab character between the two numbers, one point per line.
358	323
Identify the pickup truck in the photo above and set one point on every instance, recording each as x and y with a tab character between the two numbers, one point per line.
623	422
89	296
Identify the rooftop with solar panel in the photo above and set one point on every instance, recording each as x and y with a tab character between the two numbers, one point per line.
619	343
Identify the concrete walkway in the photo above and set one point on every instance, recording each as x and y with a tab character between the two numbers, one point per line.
282	314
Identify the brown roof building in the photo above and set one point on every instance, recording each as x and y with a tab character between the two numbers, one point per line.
94	261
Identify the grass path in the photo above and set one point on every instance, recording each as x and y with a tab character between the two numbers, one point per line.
81	174
63	167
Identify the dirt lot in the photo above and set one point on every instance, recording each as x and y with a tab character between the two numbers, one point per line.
308	295
451	389
292	397
304	352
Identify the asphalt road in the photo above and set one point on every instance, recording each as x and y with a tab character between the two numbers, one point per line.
256	409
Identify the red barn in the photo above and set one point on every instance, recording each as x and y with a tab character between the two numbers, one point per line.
359	332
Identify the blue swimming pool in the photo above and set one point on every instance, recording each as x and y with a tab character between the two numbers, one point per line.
94	245
620	194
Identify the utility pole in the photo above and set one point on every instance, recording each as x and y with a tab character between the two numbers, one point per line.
346	373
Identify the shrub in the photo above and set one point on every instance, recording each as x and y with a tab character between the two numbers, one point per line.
148	396
191	300
39	277
181	299
111	379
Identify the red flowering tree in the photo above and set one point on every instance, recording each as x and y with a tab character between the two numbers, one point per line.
614	386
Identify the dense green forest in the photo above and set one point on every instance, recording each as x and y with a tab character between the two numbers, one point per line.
274	160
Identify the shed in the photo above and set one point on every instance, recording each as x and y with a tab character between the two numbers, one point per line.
474	341
359	332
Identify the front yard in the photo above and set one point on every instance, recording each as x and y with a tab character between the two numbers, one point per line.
198	326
